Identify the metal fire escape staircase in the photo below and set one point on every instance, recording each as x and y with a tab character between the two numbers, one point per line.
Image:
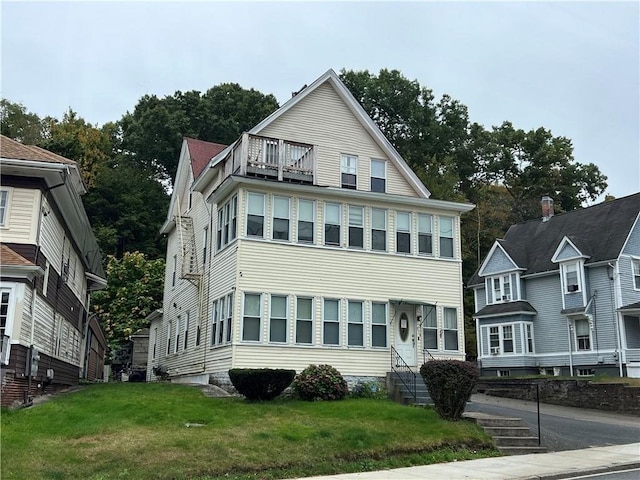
191	267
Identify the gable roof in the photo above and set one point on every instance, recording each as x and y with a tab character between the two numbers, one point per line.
201	153
496	247
330	77
599	232
10	148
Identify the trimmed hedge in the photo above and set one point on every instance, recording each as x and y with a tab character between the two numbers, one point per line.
450	383
320	382
261	383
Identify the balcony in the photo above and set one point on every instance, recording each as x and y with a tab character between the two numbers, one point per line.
272	158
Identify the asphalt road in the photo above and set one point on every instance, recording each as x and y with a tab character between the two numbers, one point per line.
633	474
564	428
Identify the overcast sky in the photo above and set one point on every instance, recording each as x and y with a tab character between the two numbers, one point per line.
572	67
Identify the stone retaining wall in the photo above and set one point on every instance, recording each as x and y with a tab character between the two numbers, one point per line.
612	397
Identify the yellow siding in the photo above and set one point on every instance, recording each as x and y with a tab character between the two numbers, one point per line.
324	120
22	221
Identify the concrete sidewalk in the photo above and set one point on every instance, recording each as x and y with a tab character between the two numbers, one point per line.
536	466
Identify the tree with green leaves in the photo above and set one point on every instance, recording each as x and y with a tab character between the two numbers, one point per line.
134	290
18	123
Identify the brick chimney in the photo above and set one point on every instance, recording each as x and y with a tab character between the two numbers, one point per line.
547	208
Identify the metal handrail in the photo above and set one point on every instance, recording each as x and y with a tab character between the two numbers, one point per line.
404	373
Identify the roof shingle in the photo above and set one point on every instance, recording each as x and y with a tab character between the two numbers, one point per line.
10	148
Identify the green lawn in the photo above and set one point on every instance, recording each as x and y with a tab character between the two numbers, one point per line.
133	430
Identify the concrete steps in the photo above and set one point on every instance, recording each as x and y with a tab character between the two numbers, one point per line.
511	435
401	394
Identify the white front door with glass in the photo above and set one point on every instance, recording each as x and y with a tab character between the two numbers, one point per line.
405	333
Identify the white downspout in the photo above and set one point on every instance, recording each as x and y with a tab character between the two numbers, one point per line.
616	317
570	347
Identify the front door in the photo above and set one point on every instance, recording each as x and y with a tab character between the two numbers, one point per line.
405	333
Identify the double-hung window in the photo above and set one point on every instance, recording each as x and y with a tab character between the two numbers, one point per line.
278	319
430	327
4	206
349	170
304	320
331	322
356	226
227	223
571	280
169	337
222	314
378	324
635	265
355	327
332	221
507	338
5	323
255	215
306	216
251	317
205	241
379	229
227	323
403	232
186	331
583	334
446	237
450	328
529	333
378	176
500	288
281	215
234	218
425	234
177	340
214	323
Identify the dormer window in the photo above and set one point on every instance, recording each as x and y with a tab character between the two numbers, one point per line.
571	278
502	288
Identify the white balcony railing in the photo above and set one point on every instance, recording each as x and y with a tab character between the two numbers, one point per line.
273	158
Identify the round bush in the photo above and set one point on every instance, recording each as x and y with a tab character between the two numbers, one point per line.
450	383
261	383
320	382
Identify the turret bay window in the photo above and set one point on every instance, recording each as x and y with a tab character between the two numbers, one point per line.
356	227
331	322
583	335
446	237
378	324
306	217
278	319
255	215
425	234
349	169
281	215
251	318
403	232
379	229
332	221
304	320
450	329
355	328
430	327
378	176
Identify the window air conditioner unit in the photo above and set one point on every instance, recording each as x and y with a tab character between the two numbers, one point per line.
495	350
506	297
573	288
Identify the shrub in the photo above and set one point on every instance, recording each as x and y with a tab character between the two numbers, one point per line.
261	383
371	389
450	383
320	382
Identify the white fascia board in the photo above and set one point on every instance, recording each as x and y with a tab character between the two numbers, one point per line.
99	282
349	195
28	272
562	244
626	241
495	246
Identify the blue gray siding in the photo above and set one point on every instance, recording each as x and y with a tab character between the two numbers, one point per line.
573	300
481	298
627	289
604	333
632	331
567	252
550	326
498	263
633	243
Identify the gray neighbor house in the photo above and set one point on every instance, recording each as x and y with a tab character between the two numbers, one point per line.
561	295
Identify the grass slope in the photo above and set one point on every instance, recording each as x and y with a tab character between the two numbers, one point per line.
139	431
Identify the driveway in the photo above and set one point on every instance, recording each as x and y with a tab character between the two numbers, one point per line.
564	428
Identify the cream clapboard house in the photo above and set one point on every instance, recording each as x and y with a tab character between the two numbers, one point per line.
307	241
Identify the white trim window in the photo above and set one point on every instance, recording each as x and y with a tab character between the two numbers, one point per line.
331	322
450	328
6	323
378	176
379	229
169	325
154	342
425	234
4	207
304	320
278	319
582	331
229	318
176	345
500	288
281	217
446	237
306	218
222	314
501	339
255	214
571	277
530	344
227	223
214	323
430	327
356	226
379	324
205	242
635	267
349	171
403	232
355	323
186	330
252	317
332	222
